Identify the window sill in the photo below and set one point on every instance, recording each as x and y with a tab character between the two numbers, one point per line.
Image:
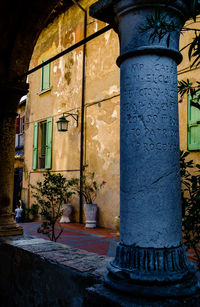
40	170
194	150
19	147
45	91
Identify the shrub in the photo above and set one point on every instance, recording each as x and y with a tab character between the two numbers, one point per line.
30	214
191	203
90	187
50	194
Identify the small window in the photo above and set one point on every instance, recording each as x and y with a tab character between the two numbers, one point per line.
42	144
20	124
45	76
194	123
17	124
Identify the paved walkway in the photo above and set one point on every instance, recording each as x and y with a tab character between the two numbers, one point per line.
92	240
98	240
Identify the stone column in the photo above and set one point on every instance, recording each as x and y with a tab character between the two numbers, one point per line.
10	96
150	258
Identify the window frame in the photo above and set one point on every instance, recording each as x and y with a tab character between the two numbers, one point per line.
192	146
37	144
21	124
45	73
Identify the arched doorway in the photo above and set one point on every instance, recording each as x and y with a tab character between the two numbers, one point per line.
21	24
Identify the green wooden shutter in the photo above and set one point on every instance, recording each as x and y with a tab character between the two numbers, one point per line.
48	156
193	126
35	145
45	77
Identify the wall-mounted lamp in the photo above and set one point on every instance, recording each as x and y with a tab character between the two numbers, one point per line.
62	123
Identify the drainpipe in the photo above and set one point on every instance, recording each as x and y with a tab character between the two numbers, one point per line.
82	116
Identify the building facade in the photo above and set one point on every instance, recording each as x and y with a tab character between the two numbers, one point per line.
19	152
189	116
59	88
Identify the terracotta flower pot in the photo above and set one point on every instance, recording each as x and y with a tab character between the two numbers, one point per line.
90	211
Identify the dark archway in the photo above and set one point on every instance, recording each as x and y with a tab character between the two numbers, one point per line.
20	25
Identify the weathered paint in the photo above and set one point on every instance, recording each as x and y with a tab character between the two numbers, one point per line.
193	76
101	150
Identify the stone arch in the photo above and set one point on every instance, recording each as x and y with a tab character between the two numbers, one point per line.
21	23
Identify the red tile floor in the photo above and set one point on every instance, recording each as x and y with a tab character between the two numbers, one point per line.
97	240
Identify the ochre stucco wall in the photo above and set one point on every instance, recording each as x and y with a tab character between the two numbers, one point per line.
101	149
185	72
102	109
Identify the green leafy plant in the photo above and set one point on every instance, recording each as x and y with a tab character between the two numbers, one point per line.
191	203
30	214
194	50
50	194
159	26
194	8
68	194
90	187
186	87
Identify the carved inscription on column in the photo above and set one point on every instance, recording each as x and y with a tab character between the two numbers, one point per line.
149	106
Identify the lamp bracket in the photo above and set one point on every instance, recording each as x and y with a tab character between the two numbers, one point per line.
74	115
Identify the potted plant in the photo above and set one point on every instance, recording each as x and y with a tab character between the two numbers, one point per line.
67	208
90	187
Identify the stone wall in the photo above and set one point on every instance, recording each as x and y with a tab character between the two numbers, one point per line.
37	272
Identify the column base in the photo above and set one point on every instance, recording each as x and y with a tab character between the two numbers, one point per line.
162	272
99	296
8	227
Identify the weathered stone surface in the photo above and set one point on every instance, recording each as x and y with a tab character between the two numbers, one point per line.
106	9
100	296
112	247
150	200
49	274
11	229
166	264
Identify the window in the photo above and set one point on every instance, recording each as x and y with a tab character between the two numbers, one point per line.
193	124
19	138
42	144
20	124
45	77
